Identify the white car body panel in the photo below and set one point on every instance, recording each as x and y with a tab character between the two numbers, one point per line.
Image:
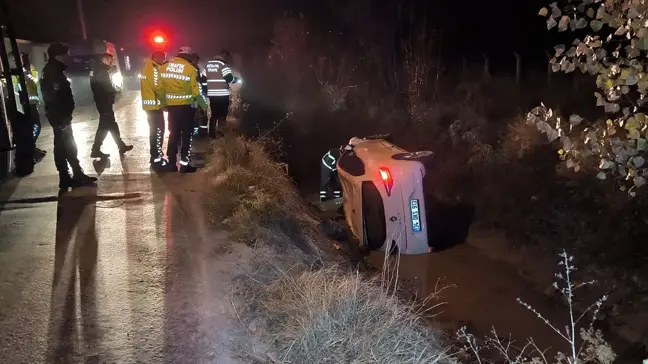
407	176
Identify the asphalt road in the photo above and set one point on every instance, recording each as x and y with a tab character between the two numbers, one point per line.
114	274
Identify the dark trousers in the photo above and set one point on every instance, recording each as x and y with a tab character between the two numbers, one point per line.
107	124
156	132
35	121
24	141
65	150
329	180
219	109
181	128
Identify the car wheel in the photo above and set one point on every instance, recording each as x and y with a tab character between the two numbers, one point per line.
424	156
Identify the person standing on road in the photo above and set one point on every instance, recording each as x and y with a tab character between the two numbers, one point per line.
32	94
219	79
104	94
182	89
153	102
59	106
31	80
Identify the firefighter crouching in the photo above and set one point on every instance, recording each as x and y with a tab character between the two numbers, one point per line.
219	79
182	89
153	101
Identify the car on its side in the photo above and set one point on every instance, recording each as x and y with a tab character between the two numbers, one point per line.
383	198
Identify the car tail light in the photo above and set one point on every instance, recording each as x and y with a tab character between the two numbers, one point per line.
387	180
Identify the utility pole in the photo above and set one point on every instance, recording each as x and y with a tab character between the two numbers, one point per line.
82	19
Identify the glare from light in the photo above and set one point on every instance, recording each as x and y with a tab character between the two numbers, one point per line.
158	39
117	79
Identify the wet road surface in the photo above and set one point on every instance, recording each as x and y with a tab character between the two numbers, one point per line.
113	274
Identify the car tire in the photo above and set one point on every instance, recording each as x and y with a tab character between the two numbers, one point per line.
424	156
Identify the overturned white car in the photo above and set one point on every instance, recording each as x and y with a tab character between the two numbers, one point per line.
382	195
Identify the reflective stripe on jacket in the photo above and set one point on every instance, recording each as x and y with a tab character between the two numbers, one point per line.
217	78
180	83
32	87
329	160
151	86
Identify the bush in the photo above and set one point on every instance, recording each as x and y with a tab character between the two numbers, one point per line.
613	49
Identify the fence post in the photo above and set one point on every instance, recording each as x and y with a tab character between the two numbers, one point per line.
549	69
518	67
487	74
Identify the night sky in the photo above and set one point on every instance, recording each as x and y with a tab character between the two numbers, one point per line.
470	26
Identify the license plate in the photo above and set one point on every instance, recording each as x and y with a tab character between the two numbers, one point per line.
416	216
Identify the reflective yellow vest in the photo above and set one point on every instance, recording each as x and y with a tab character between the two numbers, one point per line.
180	83
32	87
151	86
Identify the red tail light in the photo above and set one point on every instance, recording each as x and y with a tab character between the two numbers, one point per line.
387	180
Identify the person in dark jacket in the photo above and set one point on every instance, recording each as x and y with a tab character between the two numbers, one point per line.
104	93
59	106
219	79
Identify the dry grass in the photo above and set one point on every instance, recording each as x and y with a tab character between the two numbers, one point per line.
330	315
312	310
246	190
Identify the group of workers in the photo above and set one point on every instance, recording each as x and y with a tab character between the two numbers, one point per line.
179	87
176	86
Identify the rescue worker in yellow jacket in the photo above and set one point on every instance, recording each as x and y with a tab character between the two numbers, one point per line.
181	89
153	101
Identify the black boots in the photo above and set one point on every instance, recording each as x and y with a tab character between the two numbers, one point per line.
123	148
80	179
99	154
188	169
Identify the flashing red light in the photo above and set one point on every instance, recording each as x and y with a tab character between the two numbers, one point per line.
387	180
158	39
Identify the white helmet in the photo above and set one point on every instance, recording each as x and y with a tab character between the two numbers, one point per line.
185	50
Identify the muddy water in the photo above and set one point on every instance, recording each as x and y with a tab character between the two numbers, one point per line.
483	294
480	293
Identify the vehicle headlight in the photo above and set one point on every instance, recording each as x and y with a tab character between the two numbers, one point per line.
117	79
